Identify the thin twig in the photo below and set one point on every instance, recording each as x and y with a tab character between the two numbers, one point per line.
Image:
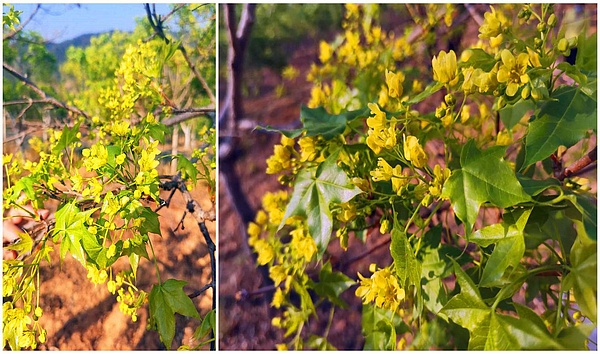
580	164
49	99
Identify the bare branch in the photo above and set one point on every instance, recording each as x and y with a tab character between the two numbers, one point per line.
28	101
20	28
187	114
49	99
580	164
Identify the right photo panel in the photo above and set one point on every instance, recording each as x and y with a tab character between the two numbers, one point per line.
407	177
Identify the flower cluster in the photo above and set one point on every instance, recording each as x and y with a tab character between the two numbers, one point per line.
382	288
382	133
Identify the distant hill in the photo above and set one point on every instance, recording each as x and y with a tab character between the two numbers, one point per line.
60	49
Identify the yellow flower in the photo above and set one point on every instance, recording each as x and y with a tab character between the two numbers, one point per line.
325	52
493	24
378	121
380	135
278	274
302	244
382	288
534	58
96	157
308	151
465	113
439	177
394	83
265	251
445	69
504	138
348	212
513	71
496	41
253	232
278	298
414	152
120	159
147	162
398	182
383	172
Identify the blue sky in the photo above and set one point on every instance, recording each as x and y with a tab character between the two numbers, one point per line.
61	22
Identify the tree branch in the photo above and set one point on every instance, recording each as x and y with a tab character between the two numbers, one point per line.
579	165
157	24
188	114
48	99
20	28
193	208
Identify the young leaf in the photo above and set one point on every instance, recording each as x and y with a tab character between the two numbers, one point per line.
318	122
70	229
512	114
68	136
584	274
429	90
208	324
468	310
484	176
562	121
189	169
314	191
332	284
150	223
407	266
166	299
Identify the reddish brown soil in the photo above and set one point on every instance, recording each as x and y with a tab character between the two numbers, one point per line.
81	316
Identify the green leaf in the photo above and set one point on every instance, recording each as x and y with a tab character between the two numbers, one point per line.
484	176
166	299
157	132
584	276
468	310
70	229
510	333
24	244
497	232
534	187
25	184
562	121
573	72
332	284
407	266
318	343
433	269
429	90
491	331
587	206
378	330
189	169
208	324
150	223
575	337
509	250
512	114
113	152
314	191
480	59
317	121
587	52
68	136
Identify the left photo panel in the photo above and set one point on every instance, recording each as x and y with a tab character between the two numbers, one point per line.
109	176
